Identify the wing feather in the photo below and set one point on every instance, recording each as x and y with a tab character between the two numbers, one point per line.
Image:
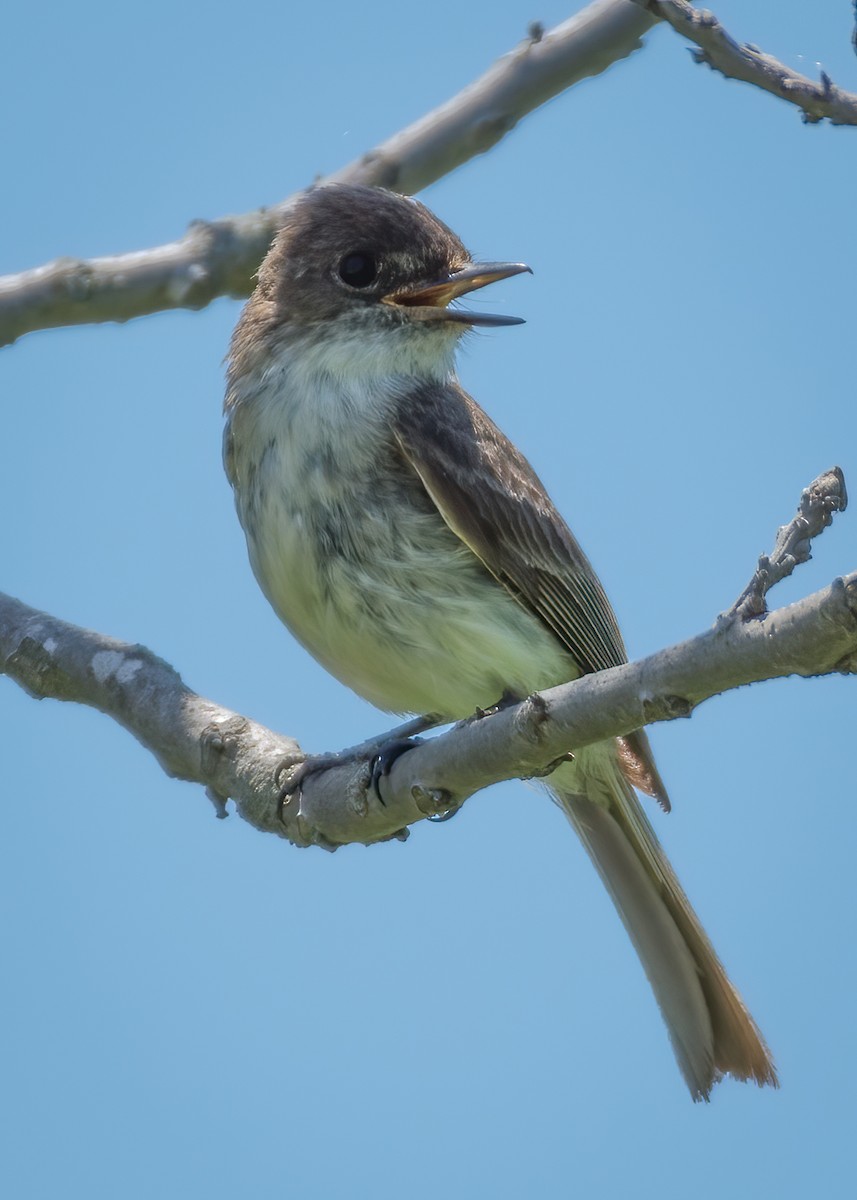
490	497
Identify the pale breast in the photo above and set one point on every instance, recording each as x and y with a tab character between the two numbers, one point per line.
357	561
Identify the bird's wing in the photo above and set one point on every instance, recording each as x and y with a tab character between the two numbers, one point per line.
490	496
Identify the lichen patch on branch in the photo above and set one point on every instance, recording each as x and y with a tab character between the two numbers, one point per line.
107	664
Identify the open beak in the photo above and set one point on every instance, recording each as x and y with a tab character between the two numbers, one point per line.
431	303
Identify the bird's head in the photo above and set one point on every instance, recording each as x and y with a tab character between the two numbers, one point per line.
369	277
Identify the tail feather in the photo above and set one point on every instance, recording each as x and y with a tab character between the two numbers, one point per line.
711	1031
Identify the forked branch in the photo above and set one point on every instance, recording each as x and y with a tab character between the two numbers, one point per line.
220	258
818	100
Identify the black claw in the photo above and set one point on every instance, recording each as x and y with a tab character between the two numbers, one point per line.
384	759
288	785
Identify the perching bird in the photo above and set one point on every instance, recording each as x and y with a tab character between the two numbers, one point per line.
415	553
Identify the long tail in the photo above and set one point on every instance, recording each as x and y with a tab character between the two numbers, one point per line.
711	1031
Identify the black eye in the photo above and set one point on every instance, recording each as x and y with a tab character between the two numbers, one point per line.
358	270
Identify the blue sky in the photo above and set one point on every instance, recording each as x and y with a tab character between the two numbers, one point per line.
192	1009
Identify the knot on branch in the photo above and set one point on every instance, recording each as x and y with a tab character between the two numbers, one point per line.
847	589
75	277
665	708
437	804
32	664
531	717
220	739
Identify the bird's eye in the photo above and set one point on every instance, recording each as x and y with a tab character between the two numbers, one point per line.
358	270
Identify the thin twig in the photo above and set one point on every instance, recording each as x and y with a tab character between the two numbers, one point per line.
817	101
825	496
219	258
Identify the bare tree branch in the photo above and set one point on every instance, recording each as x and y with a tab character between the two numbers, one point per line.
219	258
233	757
818	101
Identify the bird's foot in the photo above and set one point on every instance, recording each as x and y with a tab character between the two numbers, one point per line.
381	752
436	804
385	757
291	774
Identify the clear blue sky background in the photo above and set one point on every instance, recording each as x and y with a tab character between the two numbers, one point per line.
191	1009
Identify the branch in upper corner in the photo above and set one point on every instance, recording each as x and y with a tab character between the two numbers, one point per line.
219	258
818	101
825	496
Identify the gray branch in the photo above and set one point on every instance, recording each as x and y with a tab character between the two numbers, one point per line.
817	101
233	757
219	258
818	503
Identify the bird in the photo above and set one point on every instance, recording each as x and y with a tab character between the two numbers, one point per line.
415	553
